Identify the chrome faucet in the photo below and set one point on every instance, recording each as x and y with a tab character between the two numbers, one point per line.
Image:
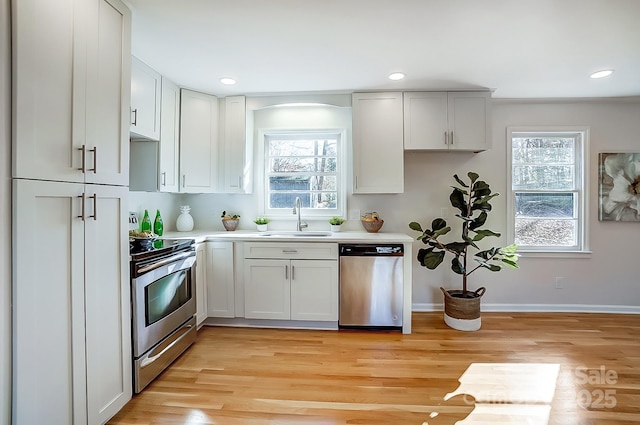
296	210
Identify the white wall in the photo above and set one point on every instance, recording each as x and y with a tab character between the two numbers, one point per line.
5	214
605	281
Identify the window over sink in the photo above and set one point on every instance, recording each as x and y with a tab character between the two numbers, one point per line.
306	164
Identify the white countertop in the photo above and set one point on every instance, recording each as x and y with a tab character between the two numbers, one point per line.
245	235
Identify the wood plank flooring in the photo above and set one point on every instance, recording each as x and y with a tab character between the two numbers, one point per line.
524	369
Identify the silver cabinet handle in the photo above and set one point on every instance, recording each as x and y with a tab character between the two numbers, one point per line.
293	271
95	207
446	141
134	122
289	251
451	137
184	180
82	149
95	159
286	272
164	178
81	216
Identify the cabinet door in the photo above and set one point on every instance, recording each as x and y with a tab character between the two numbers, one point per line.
314	290
107	301
169	137
198	142
470	121
48	89
236	167
425	120
267	289
108	93
49	385
220	283
145	101
378	154
201	282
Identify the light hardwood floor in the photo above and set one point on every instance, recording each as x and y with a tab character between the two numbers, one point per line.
524	369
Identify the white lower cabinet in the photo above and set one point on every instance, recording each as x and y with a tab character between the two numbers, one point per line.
220	280
291	281
201	283
71	303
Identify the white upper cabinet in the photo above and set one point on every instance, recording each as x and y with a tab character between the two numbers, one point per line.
236	149
378	155
447	121
170	137
145	101
198	142
71	90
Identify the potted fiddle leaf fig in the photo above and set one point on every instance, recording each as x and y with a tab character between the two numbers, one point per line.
472	201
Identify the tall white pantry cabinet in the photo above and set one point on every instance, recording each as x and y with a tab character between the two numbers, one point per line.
71	301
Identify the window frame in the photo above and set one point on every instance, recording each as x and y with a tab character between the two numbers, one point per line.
306	213
581	188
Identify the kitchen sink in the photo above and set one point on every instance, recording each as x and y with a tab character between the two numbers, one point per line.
293	233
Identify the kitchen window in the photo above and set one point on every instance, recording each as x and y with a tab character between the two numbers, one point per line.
547	182
304	164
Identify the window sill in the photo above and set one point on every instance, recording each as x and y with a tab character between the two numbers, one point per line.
555	254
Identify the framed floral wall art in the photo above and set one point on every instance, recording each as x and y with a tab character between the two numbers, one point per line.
619	186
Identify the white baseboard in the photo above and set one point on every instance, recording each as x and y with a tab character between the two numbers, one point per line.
542	308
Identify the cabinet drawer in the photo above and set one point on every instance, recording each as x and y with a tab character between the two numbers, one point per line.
308	251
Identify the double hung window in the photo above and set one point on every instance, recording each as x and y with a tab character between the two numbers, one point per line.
305	165
548	196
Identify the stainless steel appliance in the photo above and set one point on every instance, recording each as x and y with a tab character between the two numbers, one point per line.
163	306
371	285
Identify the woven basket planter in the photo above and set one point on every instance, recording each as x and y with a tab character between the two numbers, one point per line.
462	312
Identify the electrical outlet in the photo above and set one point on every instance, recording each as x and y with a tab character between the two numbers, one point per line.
354	215
559	282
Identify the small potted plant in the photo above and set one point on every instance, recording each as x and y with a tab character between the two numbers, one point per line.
462	307
230	221
335	223
262	223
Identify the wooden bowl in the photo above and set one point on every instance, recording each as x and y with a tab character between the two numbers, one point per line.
372	226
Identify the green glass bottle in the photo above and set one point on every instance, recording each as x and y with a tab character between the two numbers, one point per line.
157	224
146	222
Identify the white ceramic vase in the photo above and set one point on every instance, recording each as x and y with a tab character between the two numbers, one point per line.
262	227
185	221
335	227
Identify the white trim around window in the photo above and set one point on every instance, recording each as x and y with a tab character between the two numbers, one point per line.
578	192
340	173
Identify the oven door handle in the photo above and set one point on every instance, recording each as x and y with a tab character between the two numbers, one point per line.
153	356
166	261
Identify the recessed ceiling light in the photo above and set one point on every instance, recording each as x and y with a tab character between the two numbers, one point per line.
228	81
602	74
396	76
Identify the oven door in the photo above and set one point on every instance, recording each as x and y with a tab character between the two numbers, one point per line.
163	299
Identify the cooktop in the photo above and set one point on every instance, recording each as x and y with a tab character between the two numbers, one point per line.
159	248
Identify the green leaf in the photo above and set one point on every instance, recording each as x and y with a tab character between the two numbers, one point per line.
438	223
460	182
458	247
441	232
415	226
456	265
478	221
457	201
473	176
481	234
431	259
511	264
509	250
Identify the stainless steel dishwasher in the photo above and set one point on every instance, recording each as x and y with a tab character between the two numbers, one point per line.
371	285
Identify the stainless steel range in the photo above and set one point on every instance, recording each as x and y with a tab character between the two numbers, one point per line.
163	306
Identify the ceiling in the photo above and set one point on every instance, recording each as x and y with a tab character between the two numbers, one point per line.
517	48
